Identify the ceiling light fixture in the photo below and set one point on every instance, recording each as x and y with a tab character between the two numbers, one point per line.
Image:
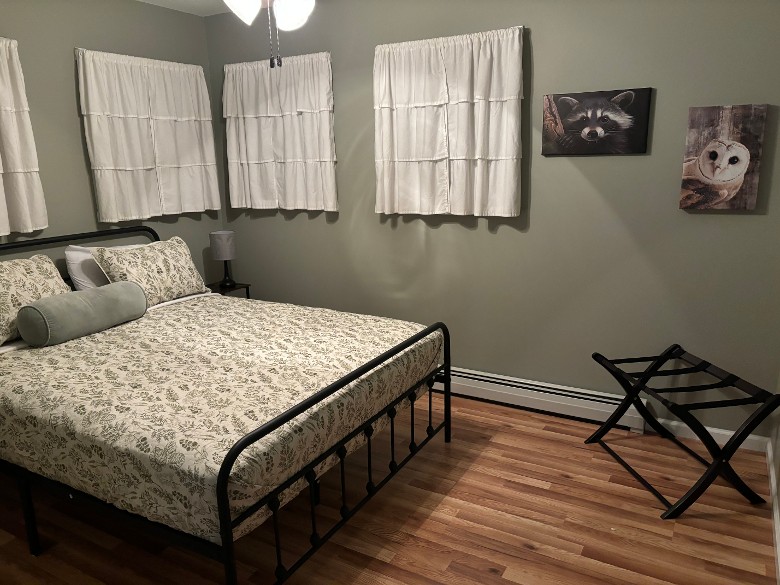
246	10
287	15
292	14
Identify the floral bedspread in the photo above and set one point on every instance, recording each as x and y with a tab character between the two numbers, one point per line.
142	415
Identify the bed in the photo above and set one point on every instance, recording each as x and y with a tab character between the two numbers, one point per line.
209	413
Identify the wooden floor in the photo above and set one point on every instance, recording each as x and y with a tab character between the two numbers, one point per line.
515	498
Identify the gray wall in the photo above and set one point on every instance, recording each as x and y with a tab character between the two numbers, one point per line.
48	31
601	259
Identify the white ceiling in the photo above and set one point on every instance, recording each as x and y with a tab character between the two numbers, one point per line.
198	7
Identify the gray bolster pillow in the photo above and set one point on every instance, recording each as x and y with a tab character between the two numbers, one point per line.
60	318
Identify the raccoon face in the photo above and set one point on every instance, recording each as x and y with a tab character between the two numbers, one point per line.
595	118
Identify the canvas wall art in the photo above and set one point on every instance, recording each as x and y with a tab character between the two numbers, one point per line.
597	122
722	157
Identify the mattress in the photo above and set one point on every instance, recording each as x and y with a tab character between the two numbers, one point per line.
142	415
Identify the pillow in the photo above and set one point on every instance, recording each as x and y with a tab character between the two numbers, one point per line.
23	282
163	269
82	268
60	318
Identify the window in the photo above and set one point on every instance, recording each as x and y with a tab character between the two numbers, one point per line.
447	125
280	145
149	134
22	208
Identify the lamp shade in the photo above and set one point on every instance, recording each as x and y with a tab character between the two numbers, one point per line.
246	10
223	245
292	14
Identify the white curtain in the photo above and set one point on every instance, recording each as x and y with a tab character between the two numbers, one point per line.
447	125
149	134
22	208
280	146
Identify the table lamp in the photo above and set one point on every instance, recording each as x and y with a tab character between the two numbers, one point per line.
223	248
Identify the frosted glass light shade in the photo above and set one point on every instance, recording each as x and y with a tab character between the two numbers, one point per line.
246	10
292	14
223	245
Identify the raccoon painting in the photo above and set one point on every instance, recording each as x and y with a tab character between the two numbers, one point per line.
596	123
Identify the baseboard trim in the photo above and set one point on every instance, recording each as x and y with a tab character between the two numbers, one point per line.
579	403
753	442
774	501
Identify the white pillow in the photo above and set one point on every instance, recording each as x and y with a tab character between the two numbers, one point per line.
82	268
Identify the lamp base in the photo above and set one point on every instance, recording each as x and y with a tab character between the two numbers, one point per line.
228	281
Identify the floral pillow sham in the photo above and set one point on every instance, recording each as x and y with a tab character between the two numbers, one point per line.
164	270
23	282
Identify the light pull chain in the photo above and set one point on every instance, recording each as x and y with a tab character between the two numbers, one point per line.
278	46
278	59
270	36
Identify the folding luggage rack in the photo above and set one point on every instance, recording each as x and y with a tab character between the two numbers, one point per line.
636	383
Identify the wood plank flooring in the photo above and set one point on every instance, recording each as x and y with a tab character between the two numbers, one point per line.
516	498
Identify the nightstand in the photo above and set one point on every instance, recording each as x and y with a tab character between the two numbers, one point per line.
215	287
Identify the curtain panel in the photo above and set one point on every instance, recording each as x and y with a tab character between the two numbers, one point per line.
149	134
22	207
447	125
280	144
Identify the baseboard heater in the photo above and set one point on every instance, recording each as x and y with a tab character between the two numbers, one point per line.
579	403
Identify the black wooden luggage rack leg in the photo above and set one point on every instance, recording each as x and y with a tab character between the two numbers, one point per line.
636	383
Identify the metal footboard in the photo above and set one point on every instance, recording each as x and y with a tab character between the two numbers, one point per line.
308	473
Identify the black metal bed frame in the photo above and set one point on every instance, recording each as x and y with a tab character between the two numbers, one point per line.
225	552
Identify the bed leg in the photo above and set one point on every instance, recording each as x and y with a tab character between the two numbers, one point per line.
229	562
447	380
28	510
447	412
228	554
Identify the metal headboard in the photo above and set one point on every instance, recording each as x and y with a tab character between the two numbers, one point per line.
100	234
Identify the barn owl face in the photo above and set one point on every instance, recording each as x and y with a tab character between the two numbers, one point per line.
723	161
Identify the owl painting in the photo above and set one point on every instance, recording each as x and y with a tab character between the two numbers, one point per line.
722	157
712	179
